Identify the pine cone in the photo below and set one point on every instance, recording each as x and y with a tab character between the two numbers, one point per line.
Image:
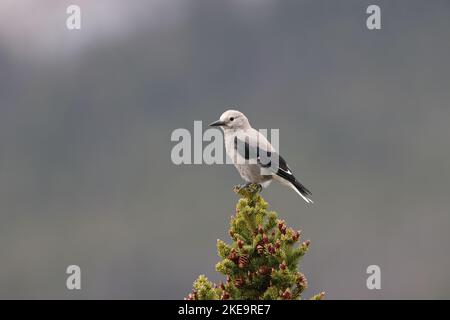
278	244
260	248
260	229
264	270
192	296
239	282
233	256
302	282
286	295
243	261
225	296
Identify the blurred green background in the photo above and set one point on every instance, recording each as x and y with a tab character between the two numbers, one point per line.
86	117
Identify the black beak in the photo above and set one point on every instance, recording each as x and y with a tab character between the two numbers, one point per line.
217	123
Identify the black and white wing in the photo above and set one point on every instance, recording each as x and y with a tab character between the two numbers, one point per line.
254	152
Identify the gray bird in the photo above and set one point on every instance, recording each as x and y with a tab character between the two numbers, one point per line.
253	156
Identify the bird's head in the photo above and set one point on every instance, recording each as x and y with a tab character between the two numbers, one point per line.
232	120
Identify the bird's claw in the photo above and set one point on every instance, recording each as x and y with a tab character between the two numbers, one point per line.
241	186
248	188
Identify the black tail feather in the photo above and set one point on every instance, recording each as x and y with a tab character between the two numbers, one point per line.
301	188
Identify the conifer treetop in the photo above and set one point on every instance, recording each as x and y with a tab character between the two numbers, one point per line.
262	260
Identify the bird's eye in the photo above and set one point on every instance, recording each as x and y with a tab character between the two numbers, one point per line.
232	118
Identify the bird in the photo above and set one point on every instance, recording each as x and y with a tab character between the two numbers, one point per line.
253	156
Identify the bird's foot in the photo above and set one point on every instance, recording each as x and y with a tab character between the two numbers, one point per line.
241	186
247	189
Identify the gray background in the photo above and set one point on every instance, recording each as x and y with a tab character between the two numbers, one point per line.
86	118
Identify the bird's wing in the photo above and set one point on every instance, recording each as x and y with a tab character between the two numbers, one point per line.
262	153
253	147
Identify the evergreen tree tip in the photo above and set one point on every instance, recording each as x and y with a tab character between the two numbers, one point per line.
262	260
